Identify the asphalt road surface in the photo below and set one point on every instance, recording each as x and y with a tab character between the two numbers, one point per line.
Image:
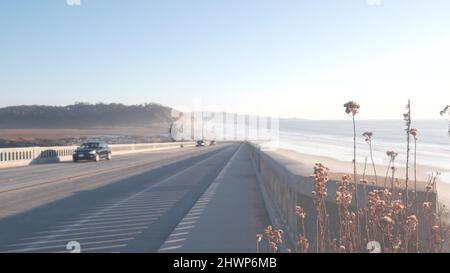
129	204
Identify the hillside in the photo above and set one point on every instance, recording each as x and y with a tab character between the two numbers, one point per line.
84	116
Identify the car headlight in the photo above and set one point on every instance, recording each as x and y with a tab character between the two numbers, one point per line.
92	152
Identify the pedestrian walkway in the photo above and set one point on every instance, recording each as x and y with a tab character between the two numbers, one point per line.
228	215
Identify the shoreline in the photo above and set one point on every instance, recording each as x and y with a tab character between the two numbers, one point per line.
338	168
346	167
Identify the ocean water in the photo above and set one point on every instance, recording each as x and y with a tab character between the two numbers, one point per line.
335	139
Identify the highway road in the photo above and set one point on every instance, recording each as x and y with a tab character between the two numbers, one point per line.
129	204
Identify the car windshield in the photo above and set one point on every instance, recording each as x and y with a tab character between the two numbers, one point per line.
92	145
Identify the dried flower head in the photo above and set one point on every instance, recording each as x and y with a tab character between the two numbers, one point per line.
346	178
391	154
368	135
364	181
407	115
413	132
259	237
273	247
320	177
387	220
374	197
300	212
437	236
274	237
344	194
445	110
411	223
387	193
351	108
397	206
396	245
426	205
303	242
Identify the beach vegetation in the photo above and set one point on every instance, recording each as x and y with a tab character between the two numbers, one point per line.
386	218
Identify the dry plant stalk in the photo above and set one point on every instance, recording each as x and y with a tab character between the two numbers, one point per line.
352	108
258	241
302	241
391	166
274	239
348	229
413	132
407	119
320	179
386	216
446	110
368	139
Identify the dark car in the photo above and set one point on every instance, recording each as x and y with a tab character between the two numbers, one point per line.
94	151
200	143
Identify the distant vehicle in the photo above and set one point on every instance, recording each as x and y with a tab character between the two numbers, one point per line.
212	142
200	143
94	151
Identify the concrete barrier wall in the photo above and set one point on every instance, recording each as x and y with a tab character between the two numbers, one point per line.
12	157
287	184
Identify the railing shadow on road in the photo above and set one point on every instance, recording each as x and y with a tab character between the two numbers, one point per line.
46	156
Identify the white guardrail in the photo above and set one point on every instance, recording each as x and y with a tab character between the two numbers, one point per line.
13	157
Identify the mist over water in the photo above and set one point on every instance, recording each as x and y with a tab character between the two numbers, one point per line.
335	139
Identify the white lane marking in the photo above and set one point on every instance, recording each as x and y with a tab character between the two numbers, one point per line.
142	206
136	214
197	209
133	196
76	239
100	248
85	233
133	208
94	237
96	242
168	248
191	218
175	240
99	227
186	227
187	222
178	234
111	218
194	213
103	222
149	210
142	202
137	205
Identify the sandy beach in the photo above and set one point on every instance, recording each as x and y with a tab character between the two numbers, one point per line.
338	168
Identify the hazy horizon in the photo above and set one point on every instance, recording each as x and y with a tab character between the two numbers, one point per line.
239	113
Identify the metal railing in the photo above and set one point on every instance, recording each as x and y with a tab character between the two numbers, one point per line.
11	157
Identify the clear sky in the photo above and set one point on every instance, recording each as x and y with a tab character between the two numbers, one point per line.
296	58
